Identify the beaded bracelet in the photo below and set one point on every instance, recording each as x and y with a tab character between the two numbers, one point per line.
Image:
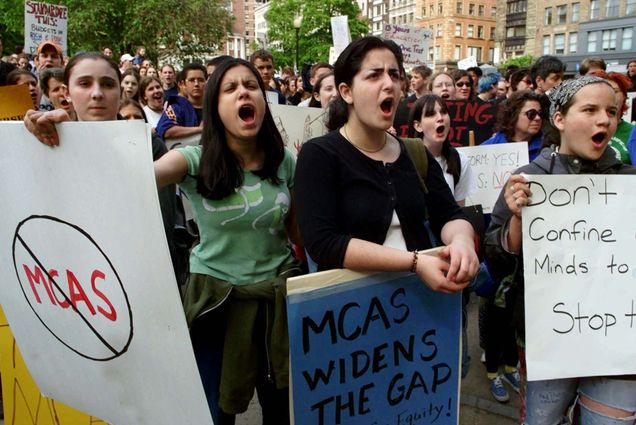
414	265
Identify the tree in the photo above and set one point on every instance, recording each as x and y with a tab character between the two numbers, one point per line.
521	61
181	27
315	31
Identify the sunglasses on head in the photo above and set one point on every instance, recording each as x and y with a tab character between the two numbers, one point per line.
533	113
463	84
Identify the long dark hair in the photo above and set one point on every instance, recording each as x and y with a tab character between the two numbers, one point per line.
314	103
220	171
509	111
425	106
348	65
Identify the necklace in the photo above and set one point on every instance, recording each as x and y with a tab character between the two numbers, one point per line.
344	128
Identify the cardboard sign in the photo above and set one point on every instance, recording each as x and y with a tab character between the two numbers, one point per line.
413	41
340	34
476	116
368	349
44	21
579	258
14	102
492	165
469	62
297	125
90	283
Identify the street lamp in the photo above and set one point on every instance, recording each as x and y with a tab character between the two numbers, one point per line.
297	21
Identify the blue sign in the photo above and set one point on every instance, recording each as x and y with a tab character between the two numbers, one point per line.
380	350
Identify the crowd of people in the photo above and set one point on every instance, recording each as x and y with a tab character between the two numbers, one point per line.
357	197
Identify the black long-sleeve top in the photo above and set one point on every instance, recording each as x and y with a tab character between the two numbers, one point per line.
342	194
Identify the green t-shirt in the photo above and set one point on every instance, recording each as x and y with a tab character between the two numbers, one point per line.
242	236
618	142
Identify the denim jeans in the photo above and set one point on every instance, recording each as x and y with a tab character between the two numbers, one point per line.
547	401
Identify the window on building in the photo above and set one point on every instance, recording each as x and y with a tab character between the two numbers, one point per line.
430	54
476	52
411	17
594	7
471	9
460	7
458	30
559	44
457	52
576	11
630	7
491	54
471	31
609	40
440	30
440	8
562	14
481	10
431	10
573	39
480	31
547	16
611	8
592	41
393	20
510	32
546	44
626	42
438	52
492	33
493	11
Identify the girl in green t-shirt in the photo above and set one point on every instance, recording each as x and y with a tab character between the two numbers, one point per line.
240	183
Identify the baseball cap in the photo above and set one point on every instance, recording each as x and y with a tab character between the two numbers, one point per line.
126	57
48	43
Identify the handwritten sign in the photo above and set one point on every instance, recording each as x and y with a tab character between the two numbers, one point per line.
340	34
466	63
465	116
412	40
76	287
14	102
44	21
492	165
380	349
579	258
297	125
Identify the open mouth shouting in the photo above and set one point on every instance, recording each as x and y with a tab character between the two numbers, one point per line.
599	139
387	106
440	131
247	114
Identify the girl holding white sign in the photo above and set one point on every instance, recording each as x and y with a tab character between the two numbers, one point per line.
584	116
361	203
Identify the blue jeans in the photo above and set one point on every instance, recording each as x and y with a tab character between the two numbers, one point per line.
547	401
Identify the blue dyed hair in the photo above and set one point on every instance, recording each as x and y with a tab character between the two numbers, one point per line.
487	81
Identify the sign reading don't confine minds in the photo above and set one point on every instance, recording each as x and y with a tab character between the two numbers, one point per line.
372	349
579	257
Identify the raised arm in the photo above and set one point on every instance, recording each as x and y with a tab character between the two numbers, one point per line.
170	168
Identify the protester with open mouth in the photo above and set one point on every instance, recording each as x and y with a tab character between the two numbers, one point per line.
52	86
130	84
583	118
22	77
443	85
361	204
152	97
240	182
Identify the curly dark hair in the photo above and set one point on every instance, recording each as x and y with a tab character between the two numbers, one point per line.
508	113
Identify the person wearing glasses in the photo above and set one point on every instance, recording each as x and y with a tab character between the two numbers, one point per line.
463	84
443	85
182	117
520	80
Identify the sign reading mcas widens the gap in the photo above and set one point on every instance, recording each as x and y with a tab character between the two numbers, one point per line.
372	349
579	258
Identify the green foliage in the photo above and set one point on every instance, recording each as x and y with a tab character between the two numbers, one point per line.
182	27
315	30
521	61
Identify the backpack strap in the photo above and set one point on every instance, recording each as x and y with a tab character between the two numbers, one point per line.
419	158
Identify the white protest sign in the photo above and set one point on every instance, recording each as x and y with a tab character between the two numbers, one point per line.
492	165
412	40
340	33
466	63
297	125
88	288
579	258
44	21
